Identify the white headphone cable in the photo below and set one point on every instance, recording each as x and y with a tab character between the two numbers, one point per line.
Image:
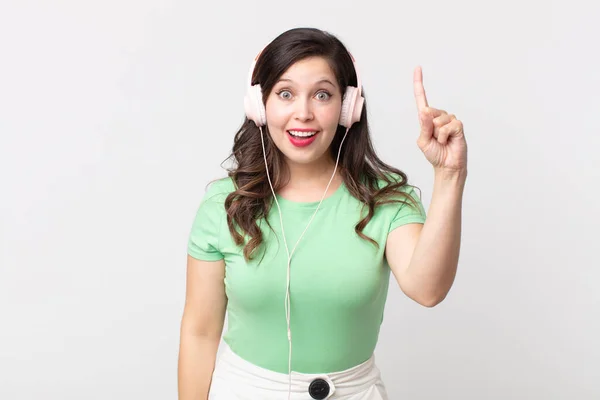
287	294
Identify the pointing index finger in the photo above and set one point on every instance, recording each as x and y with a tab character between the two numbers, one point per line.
420	96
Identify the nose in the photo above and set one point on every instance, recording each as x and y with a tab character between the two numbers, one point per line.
303	110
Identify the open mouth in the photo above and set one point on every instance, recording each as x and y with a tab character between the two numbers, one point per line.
302	134
302	138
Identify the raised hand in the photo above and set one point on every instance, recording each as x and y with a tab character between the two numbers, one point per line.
442	138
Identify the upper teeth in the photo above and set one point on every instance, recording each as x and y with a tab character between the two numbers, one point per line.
303	134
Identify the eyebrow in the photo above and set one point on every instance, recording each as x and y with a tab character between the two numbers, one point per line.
322	80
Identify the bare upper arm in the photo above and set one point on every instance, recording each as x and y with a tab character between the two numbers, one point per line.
205	298
399	249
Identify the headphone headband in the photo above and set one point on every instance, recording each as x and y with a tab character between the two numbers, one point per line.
255	60
352	103
358	82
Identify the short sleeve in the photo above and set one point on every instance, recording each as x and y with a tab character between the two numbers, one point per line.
408	213
203	242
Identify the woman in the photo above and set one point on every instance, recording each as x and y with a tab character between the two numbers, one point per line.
298	242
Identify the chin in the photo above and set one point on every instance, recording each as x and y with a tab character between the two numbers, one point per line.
300	160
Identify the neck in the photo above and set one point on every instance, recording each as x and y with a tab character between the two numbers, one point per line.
313	175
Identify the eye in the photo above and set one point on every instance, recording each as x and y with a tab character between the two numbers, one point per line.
323	95
285	94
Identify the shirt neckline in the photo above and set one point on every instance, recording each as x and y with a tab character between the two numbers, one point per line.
327	201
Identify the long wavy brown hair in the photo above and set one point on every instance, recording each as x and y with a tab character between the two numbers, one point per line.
359	166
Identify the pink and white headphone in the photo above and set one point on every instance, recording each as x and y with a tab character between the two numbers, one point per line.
352	104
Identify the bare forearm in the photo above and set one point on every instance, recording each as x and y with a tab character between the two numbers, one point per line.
433	265
197	356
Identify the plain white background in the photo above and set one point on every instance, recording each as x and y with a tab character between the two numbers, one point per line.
114	115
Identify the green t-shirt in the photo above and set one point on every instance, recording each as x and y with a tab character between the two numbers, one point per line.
338	280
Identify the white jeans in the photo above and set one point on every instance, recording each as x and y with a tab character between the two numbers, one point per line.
237	379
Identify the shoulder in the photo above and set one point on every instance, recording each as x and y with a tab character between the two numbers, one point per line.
218	190
213	200
211	208
403	201
392	178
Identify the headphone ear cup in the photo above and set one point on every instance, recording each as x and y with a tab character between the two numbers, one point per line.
351	107
254	107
